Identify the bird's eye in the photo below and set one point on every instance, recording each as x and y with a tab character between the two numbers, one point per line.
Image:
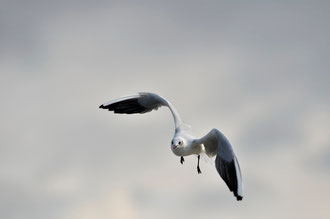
180	142
172	142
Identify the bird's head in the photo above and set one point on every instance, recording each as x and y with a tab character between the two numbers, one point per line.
177	144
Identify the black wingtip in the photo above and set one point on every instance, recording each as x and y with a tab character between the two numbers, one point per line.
102	107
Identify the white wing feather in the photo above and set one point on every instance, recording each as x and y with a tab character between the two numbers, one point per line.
142	103
215	143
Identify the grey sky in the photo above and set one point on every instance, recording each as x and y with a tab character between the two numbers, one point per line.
257	71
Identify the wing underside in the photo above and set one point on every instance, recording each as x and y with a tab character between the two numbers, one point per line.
228	172
126	106
226	163
141	103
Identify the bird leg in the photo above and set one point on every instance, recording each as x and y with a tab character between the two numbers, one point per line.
181	160
198	169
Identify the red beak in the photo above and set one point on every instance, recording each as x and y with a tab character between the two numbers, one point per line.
175	146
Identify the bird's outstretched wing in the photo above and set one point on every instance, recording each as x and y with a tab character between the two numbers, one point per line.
141	103
226	163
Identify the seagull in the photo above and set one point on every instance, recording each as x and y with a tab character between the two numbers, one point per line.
183	143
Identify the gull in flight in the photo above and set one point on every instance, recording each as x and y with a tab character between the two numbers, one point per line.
183	144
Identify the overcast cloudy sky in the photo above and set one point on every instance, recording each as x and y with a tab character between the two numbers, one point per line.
259	71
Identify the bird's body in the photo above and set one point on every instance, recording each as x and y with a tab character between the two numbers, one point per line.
183	143
189	147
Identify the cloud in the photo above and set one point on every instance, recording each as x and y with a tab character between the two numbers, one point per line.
258	72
